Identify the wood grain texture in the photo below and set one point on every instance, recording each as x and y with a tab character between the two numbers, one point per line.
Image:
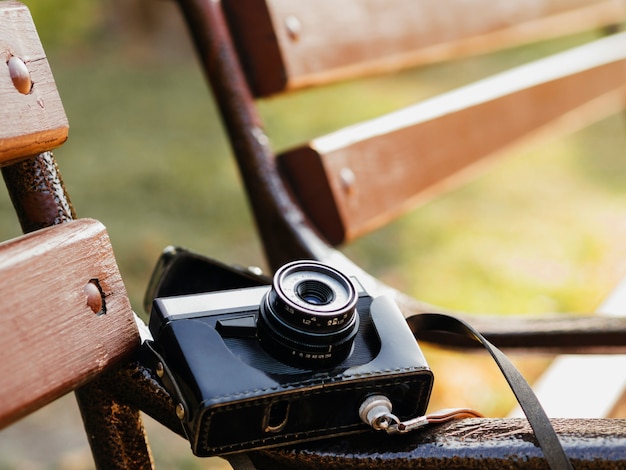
52	342
34	122
397	160
289	44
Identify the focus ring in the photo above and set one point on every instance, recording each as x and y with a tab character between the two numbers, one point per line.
308	318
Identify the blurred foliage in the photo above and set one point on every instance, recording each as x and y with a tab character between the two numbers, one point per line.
66	23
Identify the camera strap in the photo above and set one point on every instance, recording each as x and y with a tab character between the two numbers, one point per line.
536	415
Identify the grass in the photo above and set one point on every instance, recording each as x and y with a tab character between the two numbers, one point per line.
542	231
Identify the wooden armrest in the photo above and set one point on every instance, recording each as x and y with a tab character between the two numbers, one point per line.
54	339
287	45
358	178
32	116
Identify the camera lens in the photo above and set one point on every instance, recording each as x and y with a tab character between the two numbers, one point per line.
308	317
315	292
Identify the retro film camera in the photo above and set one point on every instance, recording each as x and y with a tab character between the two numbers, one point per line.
263	366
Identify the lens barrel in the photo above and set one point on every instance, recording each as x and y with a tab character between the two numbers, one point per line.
308	318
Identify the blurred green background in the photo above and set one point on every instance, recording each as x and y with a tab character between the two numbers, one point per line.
542	231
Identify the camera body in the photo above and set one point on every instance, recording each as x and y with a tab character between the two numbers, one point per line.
263	366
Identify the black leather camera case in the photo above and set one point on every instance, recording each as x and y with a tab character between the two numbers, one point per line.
233	396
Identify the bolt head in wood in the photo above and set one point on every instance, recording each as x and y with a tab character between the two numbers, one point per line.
20	75
95	299
348	180
294	27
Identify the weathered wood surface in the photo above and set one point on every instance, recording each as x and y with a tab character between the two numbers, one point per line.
289	44
358	178
52	341
33	120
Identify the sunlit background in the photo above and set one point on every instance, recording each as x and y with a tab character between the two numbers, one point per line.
541	232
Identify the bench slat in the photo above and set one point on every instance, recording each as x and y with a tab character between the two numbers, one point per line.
427	147
51	339
36	121
289	44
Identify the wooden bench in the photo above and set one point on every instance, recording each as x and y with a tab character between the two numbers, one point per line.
64	315
339	175
340	186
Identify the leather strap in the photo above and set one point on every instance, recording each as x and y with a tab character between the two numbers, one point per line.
539	422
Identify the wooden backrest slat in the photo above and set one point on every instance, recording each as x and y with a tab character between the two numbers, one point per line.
358	178
289	44
52	341
33	119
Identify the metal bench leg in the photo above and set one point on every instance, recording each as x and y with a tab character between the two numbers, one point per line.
38	193
115	431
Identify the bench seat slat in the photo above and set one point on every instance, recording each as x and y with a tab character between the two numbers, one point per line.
427	147
34	122
290	44
52	341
